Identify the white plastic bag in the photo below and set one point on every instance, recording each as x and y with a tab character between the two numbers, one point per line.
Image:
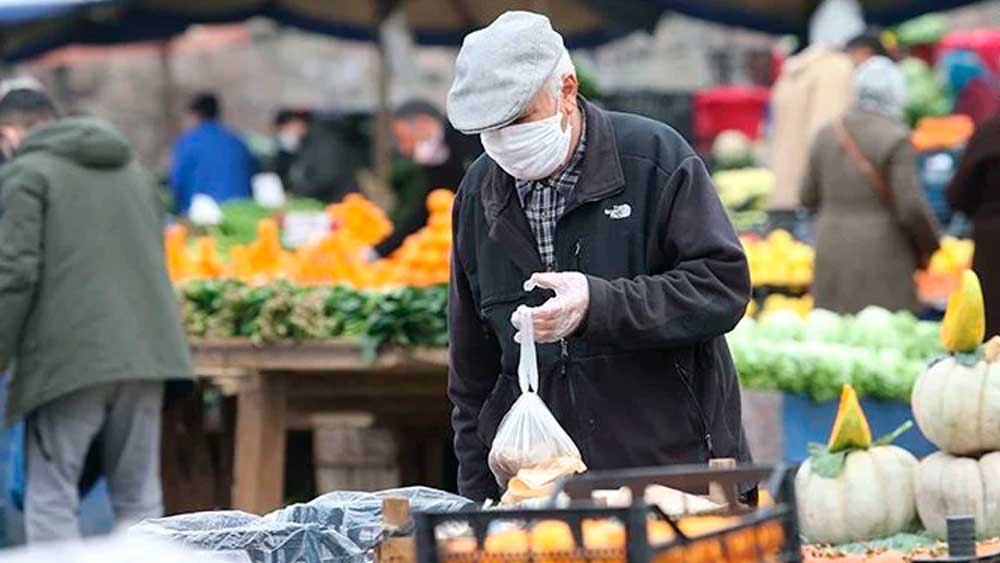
529	436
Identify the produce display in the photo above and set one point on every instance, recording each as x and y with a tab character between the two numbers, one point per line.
937	133
879	352
744	192
775	302
926	94
407	316
241	216
955	400
944	270
855	489
779	260
553	541
732	149
948	484
955	405
339	257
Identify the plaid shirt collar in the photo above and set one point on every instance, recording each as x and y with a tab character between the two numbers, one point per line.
563	181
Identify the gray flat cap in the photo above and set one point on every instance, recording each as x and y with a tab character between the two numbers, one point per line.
500	68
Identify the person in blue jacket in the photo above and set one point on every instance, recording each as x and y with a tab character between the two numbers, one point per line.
210	159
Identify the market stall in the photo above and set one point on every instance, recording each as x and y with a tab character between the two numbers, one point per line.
281	385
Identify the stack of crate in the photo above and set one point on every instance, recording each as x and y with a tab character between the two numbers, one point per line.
352	455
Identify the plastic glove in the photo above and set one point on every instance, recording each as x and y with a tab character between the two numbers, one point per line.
561	315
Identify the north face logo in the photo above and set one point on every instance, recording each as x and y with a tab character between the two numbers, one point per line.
619	211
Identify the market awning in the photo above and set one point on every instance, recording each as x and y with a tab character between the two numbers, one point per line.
792	16
30	27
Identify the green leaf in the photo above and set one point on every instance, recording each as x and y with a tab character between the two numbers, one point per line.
815	448
891	437
826	464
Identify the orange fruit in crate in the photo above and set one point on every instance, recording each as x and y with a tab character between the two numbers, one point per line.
506	546
659	532
607	536
741	546
603	534
694	526
551	535
704	551
771	538
459	549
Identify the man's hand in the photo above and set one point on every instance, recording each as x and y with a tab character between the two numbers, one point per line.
561	315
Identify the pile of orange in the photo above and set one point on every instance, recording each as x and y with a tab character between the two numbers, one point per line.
366	221
339	257
424	257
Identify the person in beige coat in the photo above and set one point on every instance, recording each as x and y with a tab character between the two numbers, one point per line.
814	88
869	240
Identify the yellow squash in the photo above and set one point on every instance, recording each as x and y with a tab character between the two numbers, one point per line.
964	323
850	429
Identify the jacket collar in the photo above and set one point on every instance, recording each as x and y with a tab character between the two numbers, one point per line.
600	175
600	172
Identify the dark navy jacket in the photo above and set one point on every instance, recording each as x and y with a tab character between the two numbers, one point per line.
649	379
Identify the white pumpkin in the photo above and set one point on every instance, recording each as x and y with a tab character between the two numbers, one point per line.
949	485
958	407
871	498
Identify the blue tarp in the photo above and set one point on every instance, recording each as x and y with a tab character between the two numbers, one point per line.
804	421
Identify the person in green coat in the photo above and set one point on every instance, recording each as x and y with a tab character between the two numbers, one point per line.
89	327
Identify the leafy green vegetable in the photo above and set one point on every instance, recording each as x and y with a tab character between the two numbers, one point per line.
282	310
879	352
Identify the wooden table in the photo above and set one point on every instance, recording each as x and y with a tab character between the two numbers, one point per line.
276	385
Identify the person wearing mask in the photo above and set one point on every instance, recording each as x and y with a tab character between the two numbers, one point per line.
975	191
441	156
290	128
874	227
88	320
865	46
210	159
637	271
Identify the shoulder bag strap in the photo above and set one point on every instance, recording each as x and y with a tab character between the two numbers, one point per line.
882	187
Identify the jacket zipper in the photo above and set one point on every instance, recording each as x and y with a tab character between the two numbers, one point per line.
697	407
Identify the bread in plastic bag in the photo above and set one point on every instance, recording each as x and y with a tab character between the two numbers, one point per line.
529	436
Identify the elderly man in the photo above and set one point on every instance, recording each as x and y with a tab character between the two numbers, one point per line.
639	273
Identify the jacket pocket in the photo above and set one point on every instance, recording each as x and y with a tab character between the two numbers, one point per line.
504	393
703	424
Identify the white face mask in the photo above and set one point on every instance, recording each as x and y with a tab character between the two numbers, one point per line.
529	151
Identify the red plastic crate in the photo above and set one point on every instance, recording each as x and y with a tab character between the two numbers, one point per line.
729	107
985	42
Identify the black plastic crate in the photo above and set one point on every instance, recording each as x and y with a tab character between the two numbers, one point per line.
756	535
